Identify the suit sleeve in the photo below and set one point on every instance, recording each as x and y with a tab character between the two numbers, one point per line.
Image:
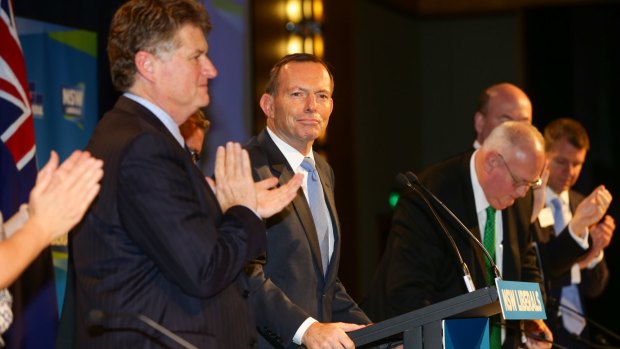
345	309
558	253
595	280
277	317
159	204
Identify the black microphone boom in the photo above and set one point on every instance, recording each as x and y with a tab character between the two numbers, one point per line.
404	182
413	178
97	317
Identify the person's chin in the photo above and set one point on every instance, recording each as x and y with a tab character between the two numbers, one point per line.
205	101
504	204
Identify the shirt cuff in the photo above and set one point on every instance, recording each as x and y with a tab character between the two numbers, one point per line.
596	260
302	330
583	242
575	274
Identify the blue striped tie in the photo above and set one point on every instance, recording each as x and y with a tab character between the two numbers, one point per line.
318	207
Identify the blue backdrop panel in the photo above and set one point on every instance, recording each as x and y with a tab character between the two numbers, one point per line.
61	65
228	49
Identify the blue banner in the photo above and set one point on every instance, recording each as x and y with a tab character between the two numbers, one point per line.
61	65
228	49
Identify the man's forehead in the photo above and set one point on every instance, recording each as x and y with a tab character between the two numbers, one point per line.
292	78
191	37
563	147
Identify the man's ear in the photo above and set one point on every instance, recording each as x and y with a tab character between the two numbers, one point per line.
491	160
479	120
266	104
145	64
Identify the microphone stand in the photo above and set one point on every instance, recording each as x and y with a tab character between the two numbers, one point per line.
410	175
98	316
588	320
592	344
469	283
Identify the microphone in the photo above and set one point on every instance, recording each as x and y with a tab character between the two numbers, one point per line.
413	178
403	182
98	317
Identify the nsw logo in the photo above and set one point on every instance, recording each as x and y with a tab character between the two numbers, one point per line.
73	103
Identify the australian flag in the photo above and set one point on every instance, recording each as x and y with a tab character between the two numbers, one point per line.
34	299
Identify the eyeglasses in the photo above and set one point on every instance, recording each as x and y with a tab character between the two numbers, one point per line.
537	183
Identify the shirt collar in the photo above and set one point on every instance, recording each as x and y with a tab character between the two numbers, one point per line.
563	196
292	155
481	201
161	115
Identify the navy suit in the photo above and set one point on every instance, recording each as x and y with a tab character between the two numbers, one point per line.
558	254
156	242
419	266
289	286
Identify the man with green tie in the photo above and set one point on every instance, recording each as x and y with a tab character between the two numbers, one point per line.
419	266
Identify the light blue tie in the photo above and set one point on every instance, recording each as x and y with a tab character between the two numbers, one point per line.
558	216
572	320
316	199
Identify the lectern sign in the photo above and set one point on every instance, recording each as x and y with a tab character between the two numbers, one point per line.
520	300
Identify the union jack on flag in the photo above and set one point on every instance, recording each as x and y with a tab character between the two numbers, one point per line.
34	298
16	121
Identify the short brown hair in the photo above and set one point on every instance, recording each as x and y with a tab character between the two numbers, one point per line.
151	26
274	74
569	129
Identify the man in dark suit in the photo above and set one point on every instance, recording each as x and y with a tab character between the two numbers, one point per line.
419	266
158	241
297	295
574	267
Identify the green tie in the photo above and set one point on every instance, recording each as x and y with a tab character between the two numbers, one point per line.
489	244
489	241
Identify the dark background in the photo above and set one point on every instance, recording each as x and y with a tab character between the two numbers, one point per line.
408	74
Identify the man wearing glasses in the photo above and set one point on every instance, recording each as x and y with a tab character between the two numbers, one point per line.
419	267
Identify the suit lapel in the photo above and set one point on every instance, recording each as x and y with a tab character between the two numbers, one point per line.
278	166
510	242
208	198
328	190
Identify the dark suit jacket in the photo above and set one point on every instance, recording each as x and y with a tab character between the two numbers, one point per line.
558	254
290	286
155	242
419	266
